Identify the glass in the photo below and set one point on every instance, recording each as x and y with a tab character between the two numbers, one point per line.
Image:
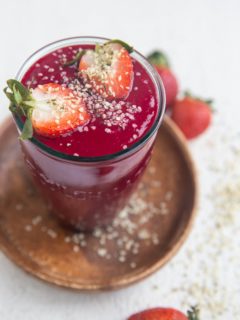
88	192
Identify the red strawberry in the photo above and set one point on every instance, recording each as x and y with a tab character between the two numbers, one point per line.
109	69
192	115
165	314
159	60
50	109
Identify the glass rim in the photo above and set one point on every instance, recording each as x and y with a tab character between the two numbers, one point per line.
93	40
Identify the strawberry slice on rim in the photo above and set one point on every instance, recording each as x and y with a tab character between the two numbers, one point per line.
109	69
50	109
60	110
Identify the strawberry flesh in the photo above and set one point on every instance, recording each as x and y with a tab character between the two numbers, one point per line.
57	110
109	69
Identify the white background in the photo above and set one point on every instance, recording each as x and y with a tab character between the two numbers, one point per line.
202	40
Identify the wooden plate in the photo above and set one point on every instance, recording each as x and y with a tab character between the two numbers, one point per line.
144	237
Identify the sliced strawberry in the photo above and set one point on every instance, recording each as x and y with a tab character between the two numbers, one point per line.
109	69
50	109
58	110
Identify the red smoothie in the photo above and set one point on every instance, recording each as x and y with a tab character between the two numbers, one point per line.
114	125
88	174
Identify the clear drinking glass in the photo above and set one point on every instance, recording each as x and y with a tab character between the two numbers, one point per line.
85	192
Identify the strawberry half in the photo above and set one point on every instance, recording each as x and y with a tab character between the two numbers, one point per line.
50	109
109	69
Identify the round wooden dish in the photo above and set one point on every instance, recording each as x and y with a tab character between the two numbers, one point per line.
35	241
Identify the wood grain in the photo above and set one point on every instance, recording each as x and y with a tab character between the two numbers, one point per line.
52	259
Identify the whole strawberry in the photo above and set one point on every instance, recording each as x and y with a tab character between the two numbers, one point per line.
166	314
160	61
192	115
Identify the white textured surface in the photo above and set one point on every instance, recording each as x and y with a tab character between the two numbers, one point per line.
202	41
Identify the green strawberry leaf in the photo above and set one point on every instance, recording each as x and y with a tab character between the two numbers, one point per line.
15	98
21	103
208	101
193	313
12	108
17	95
29	112
122	43
158	59
27	131
77	58
9	95
24	92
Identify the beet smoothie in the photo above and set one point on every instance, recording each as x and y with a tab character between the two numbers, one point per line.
88	173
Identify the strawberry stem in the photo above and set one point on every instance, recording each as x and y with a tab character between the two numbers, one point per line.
193	313
77	58
21	103
122	43
208	101
158	59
